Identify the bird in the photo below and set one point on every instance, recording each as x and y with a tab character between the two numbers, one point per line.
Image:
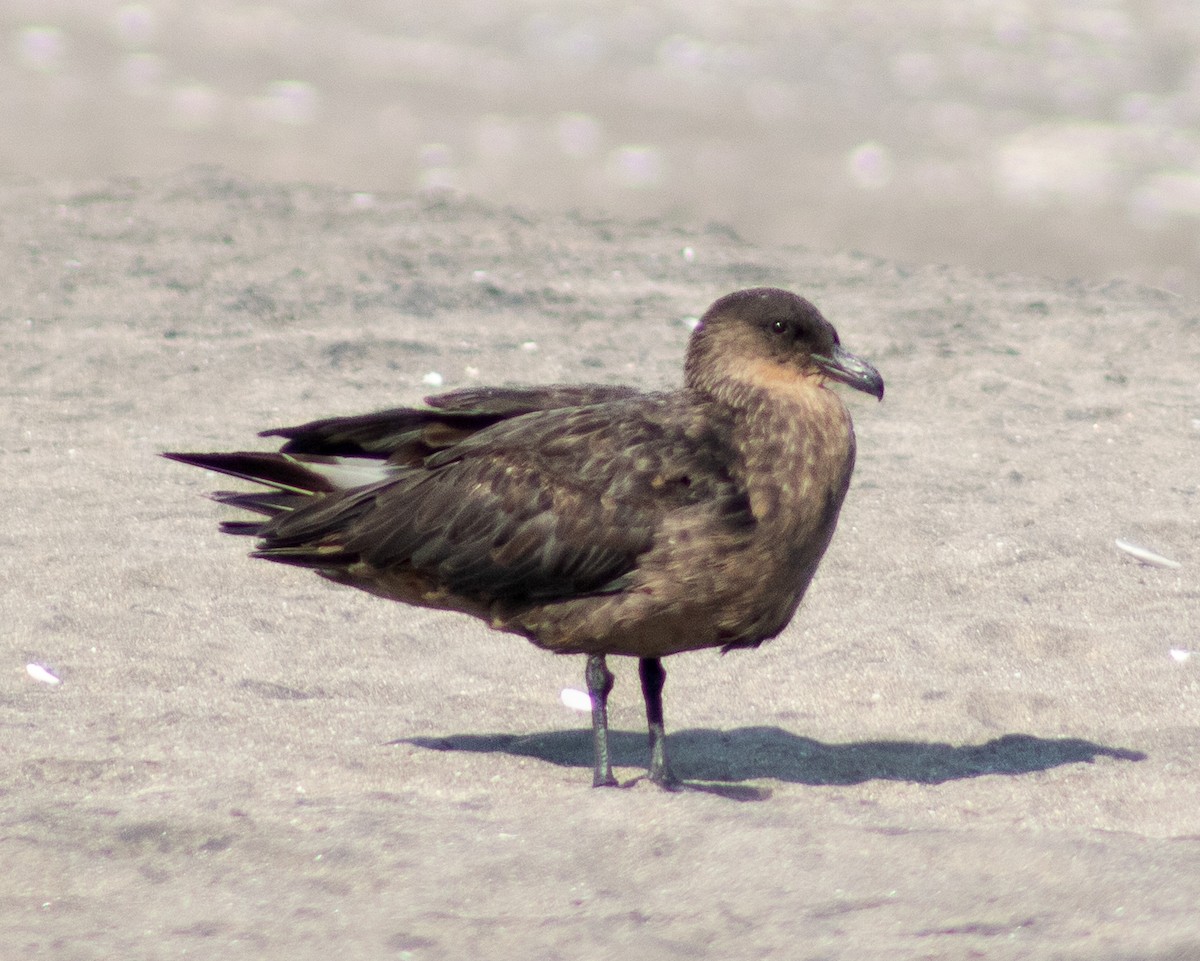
590	519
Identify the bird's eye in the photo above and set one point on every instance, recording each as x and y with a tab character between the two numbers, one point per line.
779	327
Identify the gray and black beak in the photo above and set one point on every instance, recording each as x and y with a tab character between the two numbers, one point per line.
851	370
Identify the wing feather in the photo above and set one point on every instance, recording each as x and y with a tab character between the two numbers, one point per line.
552	503
406	435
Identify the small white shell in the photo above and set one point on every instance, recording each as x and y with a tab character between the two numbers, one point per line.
1144	555
39	673
576	700
1179	654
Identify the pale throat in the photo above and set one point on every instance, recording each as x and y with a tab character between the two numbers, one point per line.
799	446
760	380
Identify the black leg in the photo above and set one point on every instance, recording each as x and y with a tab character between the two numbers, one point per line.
654	675
600	683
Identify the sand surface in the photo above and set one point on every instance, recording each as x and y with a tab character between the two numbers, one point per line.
979	738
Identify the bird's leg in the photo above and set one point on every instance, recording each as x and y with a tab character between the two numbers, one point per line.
654	675
600	683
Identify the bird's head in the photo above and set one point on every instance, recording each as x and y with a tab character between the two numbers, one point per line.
774	339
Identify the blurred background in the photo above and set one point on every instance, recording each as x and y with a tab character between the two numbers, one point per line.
1055	137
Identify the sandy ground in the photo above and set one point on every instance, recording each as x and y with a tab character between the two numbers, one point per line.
979	738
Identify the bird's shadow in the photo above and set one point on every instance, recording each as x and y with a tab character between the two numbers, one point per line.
721	761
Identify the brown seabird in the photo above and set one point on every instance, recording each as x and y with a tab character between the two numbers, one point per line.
589	519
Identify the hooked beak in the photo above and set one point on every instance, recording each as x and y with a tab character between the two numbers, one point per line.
853	371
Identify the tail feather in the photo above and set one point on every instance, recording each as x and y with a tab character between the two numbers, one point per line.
311	499
269	504
242	528
279	471
296	474
311	557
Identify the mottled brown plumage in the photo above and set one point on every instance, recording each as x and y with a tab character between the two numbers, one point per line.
590	519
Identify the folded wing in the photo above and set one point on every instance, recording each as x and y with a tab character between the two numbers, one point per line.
491	494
